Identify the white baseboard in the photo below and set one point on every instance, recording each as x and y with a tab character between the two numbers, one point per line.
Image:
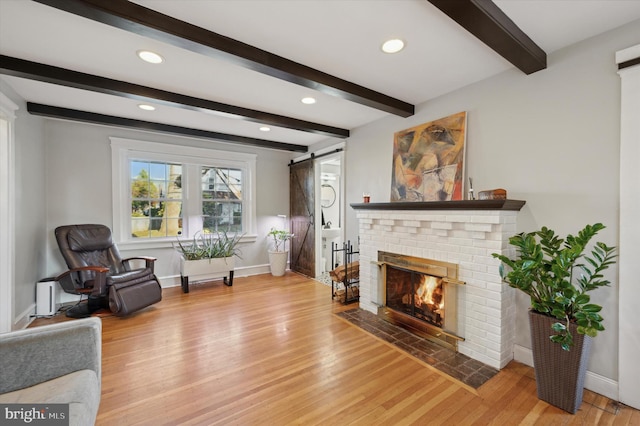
23	320
592	381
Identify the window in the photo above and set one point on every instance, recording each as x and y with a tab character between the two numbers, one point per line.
221	199
162	191
156	199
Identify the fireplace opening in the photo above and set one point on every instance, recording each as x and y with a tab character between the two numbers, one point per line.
421	295
416	294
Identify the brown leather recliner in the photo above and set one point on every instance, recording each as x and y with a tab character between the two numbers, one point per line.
96	269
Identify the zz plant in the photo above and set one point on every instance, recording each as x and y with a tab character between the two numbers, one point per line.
557	274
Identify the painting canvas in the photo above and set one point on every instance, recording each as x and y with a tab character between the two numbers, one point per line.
428	161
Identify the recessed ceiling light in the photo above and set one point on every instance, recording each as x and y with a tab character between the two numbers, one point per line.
151	57
308	100
265	129
393	46
147	107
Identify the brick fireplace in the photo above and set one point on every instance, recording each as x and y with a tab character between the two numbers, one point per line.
464	233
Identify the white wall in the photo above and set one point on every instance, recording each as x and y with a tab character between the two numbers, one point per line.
79	189
551	138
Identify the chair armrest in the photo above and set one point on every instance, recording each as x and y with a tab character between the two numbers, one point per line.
149	261
100	285
38	354
99	269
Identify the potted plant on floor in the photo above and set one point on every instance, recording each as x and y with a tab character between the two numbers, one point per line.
278	255
208	256
557	275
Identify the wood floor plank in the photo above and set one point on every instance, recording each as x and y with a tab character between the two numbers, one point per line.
270	351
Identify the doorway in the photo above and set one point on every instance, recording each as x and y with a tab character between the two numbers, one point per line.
330	208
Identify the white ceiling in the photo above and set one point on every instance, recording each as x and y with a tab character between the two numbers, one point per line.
338	37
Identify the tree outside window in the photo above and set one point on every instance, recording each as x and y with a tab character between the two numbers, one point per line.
156	199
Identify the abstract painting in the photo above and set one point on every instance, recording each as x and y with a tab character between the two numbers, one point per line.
428	161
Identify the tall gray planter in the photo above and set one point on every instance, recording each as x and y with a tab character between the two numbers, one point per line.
559	374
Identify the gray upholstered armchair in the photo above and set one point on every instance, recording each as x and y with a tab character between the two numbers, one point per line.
54	364
97	270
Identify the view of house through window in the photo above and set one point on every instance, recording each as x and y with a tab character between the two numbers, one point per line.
221	199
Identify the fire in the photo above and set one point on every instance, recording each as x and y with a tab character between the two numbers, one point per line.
423	299
429	292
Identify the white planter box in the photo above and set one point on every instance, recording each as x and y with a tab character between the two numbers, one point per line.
206	269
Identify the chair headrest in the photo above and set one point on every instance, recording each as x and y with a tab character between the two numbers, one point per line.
90	238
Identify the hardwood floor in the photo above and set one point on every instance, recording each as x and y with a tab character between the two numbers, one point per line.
269	351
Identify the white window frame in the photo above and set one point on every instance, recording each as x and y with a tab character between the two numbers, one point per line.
191	158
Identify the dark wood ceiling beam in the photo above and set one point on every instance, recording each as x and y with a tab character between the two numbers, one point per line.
55	75
149	23
110	120
488	22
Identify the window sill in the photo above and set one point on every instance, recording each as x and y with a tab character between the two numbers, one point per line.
168	243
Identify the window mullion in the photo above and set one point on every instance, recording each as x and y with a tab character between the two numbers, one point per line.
192	212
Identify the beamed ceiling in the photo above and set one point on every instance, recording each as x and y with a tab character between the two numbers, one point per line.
233	66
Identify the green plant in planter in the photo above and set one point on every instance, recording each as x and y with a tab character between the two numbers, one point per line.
556	274
280	237
210	246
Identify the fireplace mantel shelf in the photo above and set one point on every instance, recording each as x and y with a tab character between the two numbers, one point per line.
514	205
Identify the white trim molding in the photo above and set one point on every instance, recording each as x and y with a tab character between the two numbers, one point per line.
124	149
7	212
629	251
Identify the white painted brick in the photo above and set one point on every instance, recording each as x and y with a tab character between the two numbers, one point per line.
494	304
478	227
496	287
471	346
476	300
470	282
425	231
507	219
493	348
459	233
509	229
441	232
467	238
461	242
442	225
496	236
494	321
411	223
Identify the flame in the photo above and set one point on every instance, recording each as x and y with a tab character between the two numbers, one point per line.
424	293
